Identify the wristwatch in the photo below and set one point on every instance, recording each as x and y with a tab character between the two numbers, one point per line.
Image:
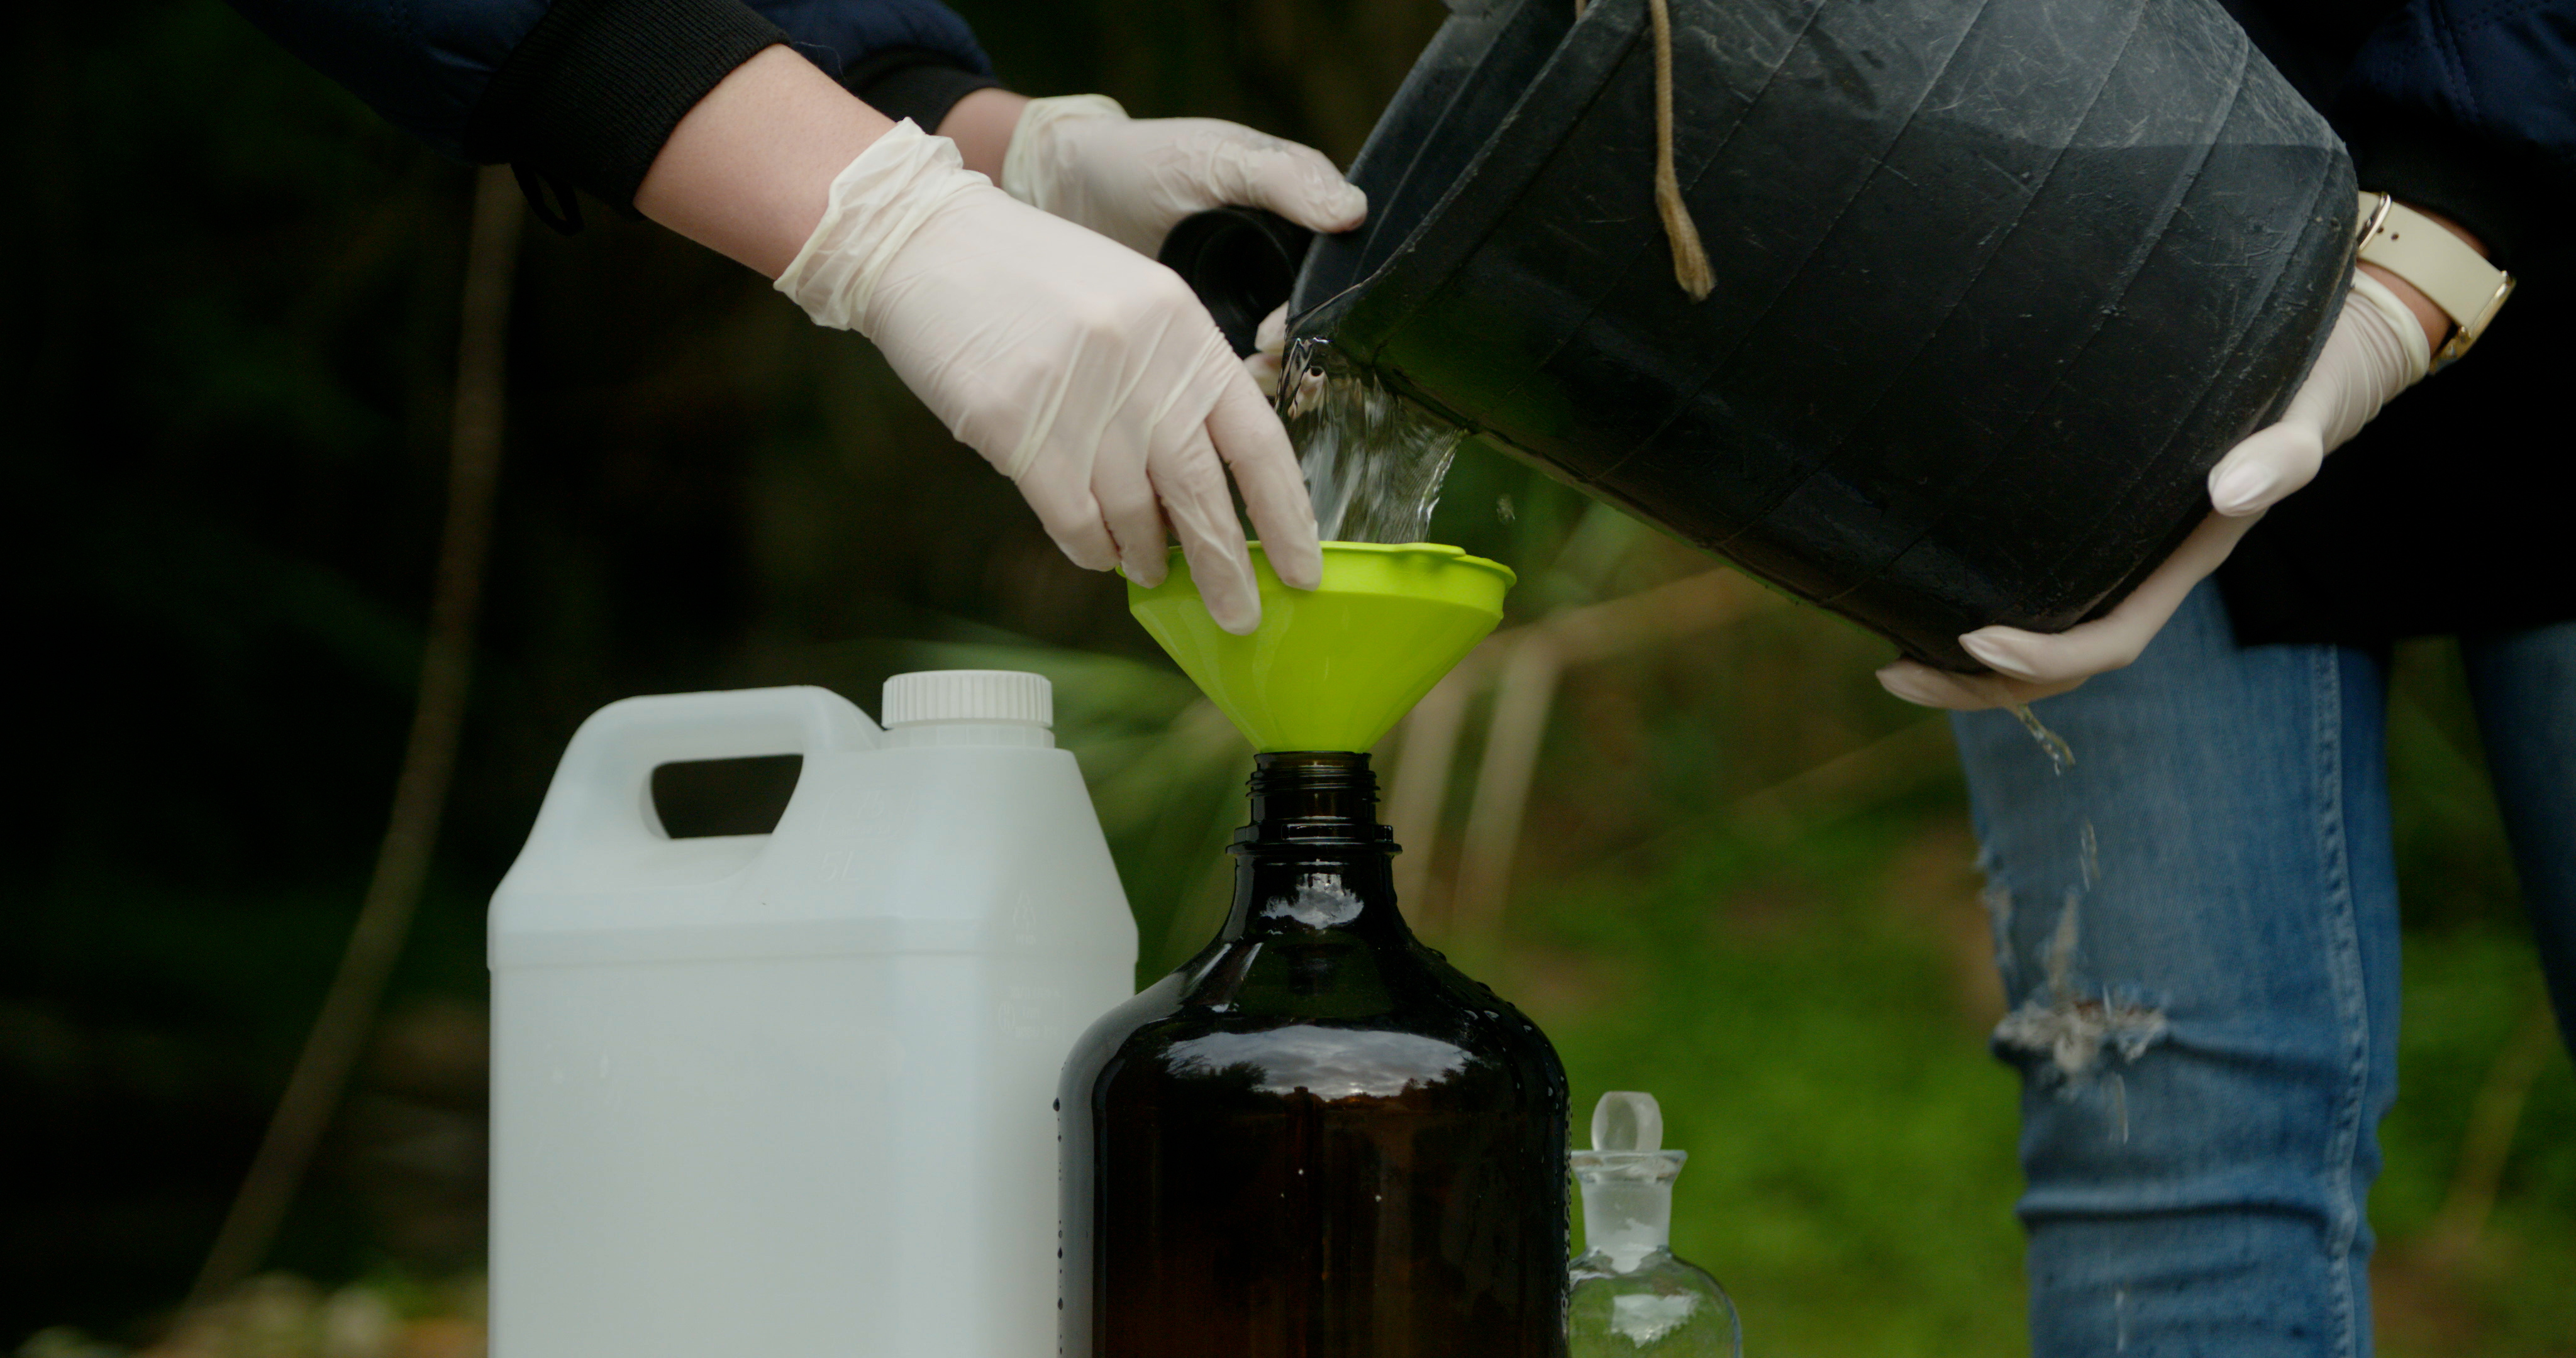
2440	265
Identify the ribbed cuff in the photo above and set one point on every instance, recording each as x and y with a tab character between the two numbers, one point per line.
592	93
913	82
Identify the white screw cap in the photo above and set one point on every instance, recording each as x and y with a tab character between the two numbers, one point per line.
969	695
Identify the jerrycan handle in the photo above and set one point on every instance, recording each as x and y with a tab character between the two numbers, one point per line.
602	794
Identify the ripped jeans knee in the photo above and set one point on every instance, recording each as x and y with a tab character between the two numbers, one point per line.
2201	998
2067	1016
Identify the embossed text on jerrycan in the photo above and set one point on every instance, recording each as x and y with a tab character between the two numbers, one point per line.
791	1093
1996	281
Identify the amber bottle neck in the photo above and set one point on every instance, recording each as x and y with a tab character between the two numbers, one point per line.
1316	799
1314	856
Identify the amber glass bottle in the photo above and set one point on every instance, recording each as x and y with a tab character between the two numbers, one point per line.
1317	1139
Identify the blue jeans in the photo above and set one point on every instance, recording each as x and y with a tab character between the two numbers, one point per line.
2197	929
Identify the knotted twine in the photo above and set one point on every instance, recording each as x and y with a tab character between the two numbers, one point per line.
1690	261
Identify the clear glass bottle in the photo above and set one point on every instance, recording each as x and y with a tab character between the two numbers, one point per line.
1629	1294
1317	1139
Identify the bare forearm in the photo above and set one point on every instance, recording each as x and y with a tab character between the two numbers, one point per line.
981	124
747	173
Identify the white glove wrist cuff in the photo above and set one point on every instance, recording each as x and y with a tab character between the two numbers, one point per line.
1028	173
2401	320
877	202
2376	351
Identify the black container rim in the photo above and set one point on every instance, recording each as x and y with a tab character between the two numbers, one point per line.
1494	178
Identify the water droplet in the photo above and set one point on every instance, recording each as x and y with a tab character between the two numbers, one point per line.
2061	756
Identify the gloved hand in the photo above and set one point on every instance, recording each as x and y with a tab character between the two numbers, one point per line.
1269	351
1082	158
1087	373
2377	350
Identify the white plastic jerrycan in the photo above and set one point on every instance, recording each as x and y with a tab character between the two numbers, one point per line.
790	1095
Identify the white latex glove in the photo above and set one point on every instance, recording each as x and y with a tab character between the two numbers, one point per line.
2377	350
1269	352
1082	158
1088	374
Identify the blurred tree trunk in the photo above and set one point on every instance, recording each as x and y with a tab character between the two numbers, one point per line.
349	1010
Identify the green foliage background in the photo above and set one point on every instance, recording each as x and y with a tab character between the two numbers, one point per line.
1744	876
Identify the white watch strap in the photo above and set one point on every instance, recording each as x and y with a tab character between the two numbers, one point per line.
2438	263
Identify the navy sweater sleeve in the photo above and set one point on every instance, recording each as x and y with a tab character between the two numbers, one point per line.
585	92
2469	107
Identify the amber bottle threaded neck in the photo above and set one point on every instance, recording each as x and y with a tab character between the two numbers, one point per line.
1313	797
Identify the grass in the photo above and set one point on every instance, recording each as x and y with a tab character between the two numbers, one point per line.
1820	1056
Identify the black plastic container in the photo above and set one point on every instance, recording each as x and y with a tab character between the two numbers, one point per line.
1997	282
1317	1139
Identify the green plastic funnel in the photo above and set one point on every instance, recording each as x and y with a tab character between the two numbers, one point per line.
1331	668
